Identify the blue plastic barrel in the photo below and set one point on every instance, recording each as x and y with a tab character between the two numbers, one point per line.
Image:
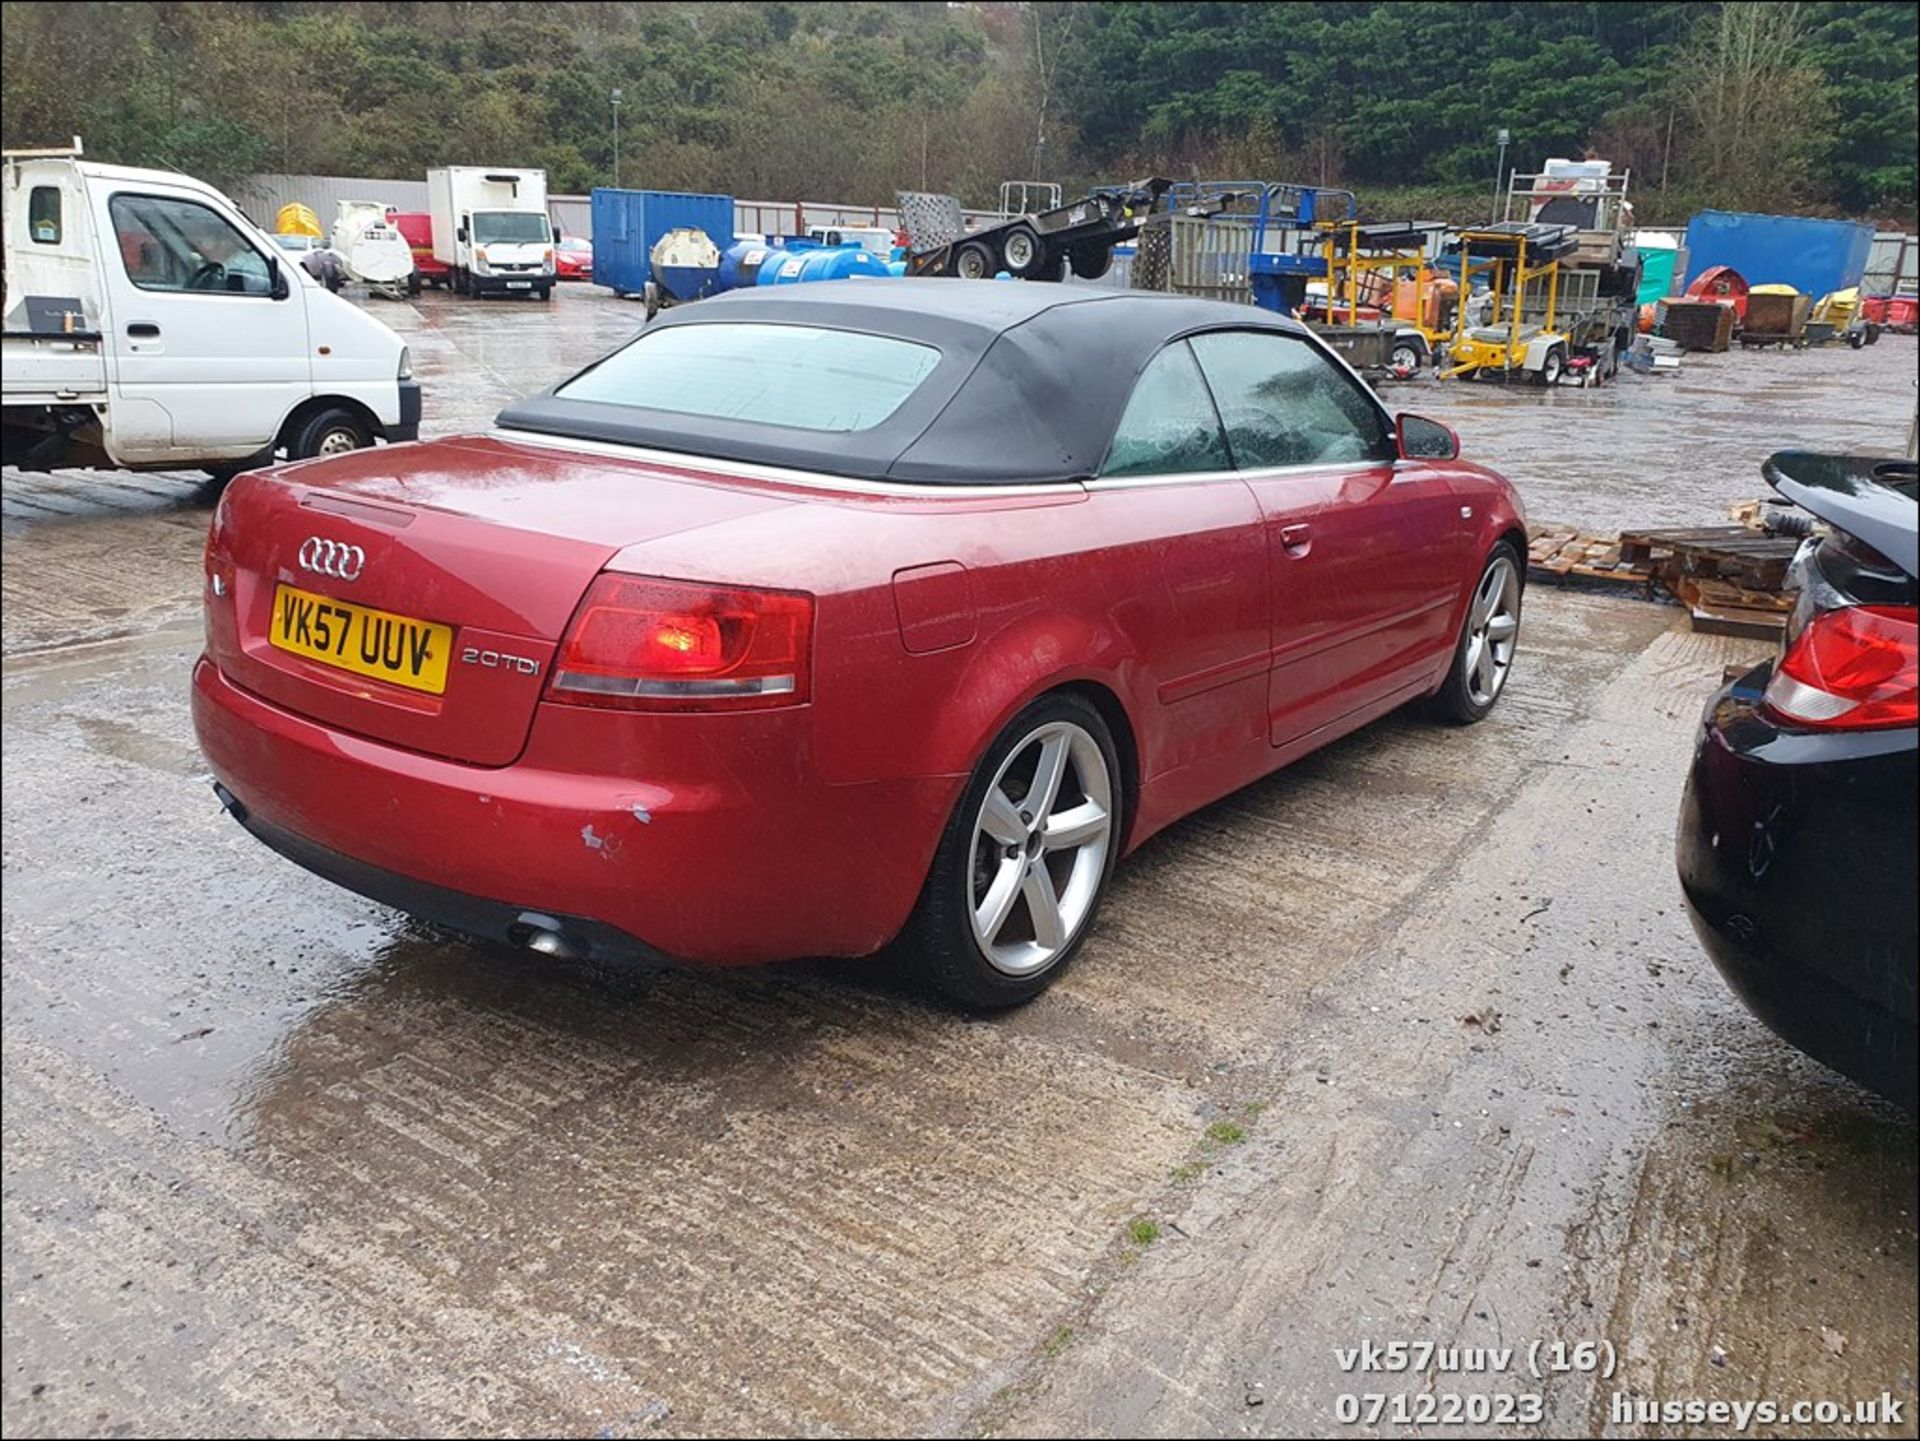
796	267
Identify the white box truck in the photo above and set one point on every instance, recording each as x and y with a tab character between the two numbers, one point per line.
491	229
149	325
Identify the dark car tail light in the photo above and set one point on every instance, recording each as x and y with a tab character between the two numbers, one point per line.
1852	668
641	644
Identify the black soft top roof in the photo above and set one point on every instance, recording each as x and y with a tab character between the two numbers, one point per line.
1031	382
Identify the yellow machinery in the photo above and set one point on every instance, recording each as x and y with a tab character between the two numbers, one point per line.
296	219
1377	275
1518	333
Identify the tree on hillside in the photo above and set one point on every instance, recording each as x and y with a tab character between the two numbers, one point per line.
1757	107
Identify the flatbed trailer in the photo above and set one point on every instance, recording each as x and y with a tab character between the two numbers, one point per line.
1046	244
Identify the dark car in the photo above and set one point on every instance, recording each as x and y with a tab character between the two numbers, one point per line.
1797	834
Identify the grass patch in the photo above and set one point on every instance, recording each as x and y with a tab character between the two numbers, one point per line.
1061	1338
1186	1175
1226	1133
1143	1230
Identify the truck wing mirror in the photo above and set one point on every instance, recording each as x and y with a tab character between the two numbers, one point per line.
460	234
279	288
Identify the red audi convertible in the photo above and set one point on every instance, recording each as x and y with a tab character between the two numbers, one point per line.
823	617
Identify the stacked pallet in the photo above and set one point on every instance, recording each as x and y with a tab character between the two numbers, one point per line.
1731	578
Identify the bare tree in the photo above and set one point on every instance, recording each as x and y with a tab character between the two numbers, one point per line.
1062	19
1753	104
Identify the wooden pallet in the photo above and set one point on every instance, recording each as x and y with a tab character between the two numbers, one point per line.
1730	577
1562	554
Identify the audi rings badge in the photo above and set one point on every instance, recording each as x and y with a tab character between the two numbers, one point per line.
332	557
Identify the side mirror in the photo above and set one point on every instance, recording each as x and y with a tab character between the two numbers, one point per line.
1423	439
279	287
460	234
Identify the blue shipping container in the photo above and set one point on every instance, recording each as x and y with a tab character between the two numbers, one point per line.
626	223
1815	257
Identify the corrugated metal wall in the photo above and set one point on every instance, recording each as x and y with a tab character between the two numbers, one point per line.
261	196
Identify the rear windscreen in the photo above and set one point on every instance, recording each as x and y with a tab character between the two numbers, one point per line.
790	375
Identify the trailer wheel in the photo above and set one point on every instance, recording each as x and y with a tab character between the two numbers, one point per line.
974	261
1090	262
1026	255
1553	367
1408	355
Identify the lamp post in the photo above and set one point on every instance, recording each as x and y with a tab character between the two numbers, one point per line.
1499	168
616	137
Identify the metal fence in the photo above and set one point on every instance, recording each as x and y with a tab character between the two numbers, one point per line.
261	197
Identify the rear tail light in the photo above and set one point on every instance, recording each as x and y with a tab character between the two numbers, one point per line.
1853	668
642	644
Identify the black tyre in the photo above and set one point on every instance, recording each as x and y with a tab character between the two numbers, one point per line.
332	431
459	281
413	284
546	292
1408	354
1090	262
1489	636
1024	860
1025	253
1554	366
975	261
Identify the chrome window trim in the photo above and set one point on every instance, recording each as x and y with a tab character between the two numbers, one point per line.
918	490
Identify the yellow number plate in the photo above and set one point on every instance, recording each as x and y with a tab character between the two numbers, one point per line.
394	648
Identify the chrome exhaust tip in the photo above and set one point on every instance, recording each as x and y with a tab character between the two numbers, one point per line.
542	935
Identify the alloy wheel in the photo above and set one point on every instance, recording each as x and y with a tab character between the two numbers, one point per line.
1040	845
1493	625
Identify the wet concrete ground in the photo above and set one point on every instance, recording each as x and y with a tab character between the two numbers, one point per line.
1408	1042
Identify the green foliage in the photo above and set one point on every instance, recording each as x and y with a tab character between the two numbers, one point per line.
852	100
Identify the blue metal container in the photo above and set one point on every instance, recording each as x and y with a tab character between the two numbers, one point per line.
627	224
797	266
1815	257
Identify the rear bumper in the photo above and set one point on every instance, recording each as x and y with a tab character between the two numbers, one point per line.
1796	853
719	847
456	910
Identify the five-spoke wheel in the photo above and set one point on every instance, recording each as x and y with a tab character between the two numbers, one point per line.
1025	857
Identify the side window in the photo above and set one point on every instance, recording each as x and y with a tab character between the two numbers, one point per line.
1284	403
1169	426
183	245
43	215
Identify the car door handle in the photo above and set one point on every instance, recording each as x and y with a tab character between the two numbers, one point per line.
142	329
1298	540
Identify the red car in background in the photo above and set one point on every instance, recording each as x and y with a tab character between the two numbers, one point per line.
416	227
572	258
821	616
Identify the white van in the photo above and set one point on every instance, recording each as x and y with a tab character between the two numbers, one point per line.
149	325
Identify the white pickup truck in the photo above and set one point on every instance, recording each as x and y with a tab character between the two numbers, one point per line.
149	325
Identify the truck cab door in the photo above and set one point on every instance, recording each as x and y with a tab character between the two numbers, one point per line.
207	341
